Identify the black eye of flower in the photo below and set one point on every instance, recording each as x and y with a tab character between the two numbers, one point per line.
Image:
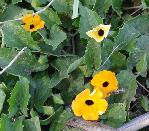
89	102
101	32
31	26
105	84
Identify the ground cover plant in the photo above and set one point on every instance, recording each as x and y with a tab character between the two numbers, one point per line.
50	54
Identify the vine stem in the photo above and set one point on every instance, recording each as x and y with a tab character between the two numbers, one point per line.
38	12
109	56
45	8
142	86
134	7
13	60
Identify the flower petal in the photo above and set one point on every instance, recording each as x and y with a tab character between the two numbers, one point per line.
101	105
96	94
94	33
27	18
90	114
77	107
36	20
105	77
41	25
89	105
84	94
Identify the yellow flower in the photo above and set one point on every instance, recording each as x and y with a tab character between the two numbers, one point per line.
89	105
106	82
99	33
32	22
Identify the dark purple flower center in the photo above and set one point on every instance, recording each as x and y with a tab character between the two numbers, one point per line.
89	102
105	84
32	26
101	32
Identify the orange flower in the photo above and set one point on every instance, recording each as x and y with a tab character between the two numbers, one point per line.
32	22
89	105
99	33
106	82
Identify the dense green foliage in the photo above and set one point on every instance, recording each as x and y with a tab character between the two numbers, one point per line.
37	90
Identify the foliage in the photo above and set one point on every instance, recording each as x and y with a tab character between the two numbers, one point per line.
37	90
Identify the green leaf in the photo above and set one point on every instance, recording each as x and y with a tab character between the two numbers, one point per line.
3	87
59	123
15	36
132	29
65	64
127	82
2	7
131	45
115	115
19	97
76	85
48	49
89	2
43	89
55	79
10	12
93	55
43	59
63	6
102	6
16	1
134	58
43	86
57	99
37	3
141	66
50	18
32	124
145	3
10	80
142	44
57	36
52	117
46	110
75	9
6	124
86	72
88	20
117	61
144	103
2	99
117	5
24	65
147	83
33	113
74	65
106	50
